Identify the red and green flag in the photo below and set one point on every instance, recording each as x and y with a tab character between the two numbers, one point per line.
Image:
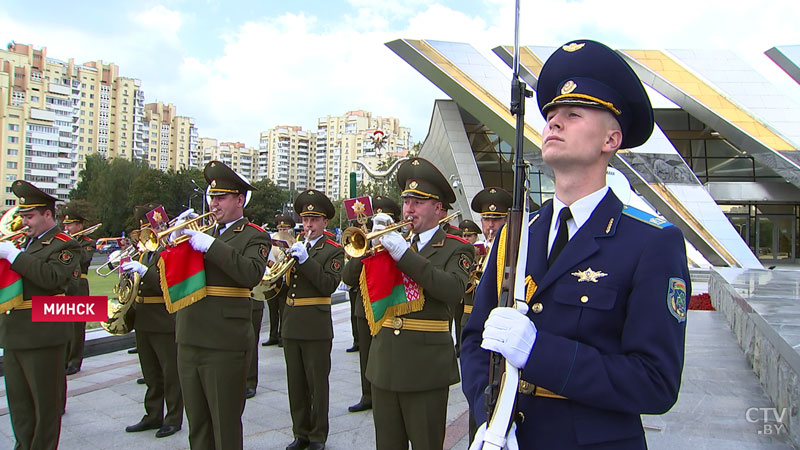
10	287
387	292
183	276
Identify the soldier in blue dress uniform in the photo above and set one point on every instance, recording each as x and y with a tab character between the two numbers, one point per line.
602	338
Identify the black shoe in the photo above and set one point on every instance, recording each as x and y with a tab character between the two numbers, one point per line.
268	342
72	370
352	349
140	381
298	444
133	350
316	446
280	343
142	426
249	393
360	406
167	430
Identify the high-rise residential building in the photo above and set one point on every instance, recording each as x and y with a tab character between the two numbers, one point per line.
243	160
54	113
284	156
170	140
352	136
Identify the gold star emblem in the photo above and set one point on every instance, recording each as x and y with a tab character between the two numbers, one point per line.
358	207
568	87
310	207
415	162
492	190
413	185
157	216
589	275
572	47
492	208
310	192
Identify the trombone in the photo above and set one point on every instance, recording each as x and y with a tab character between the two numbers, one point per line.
115	258
87	231
355	240
152	240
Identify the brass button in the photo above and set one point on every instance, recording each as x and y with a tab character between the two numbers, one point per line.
294	285
397	323
295	276
290	302
397	332
584	299
292	295
537	308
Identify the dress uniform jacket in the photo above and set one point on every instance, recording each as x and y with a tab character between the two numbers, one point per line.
152	317
351	275
318	277
610	315
237	258
80	287
35	351
413	361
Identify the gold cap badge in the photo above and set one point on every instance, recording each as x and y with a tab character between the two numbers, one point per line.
572	47
413	184
568	87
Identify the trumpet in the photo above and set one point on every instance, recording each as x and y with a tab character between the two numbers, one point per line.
152	240
355	240
283	261
115	258
11	228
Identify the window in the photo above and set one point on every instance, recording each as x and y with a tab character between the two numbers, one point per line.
13	139
13	127
12	152
11	177
11	164
11	202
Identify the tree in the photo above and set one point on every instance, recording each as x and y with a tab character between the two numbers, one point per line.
266	201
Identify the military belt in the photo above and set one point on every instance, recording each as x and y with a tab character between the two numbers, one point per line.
28	304
227	291
400	323
153	299
308	301
467	309
537	391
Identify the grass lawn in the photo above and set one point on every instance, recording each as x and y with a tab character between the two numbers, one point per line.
100	286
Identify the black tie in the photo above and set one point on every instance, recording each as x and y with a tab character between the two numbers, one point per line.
562	237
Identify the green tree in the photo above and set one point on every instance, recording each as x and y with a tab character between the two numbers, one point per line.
266	201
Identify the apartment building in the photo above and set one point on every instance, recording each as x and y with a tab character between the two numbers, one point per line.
242	159
170	141
284	155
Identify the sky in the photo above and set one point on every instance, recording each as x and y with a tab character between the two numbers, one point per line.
242	67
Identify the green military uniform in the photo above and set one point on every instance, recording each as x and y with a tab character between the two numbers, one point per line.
81	288
307	328
252	371
155	339
410	369
468	228
351	276
215	334
34	352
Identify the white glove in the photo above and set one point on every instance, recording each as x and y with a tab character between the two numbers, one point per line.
511	439
182	217
510	333
381	221
199	240
298	250
135	266
395	244
8	251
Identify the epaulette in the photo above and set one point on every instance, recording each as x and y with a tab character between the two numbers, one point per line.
332	242
62	237
642	216
452	236
256	227
328	233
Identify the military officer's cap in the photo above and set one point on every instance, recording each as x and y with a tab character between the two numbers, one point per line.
469	227
492	203
31	197
71	215
223	180
381	204
314	203
420	179
140	212
587	73
284	221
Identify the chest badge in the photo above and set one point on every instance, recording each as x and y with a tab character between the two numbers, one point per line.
589	275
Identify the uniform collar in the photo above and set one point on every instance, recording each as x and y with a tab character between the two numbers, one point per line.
224	227
426	236
581	210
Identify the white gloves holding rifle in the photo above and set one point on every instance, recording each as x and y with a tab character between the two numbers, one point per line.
511	333
480	438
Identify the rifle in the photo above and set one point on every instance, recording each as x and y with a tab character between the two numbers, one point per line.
504	378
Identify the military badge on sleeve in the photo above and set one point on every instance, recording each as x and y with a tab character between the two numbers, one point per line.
65	257
263	251
88	248
465	263
336	266
676	299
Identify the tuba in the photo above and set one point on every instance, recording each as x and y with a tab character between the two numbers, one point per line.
282	264
120	311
